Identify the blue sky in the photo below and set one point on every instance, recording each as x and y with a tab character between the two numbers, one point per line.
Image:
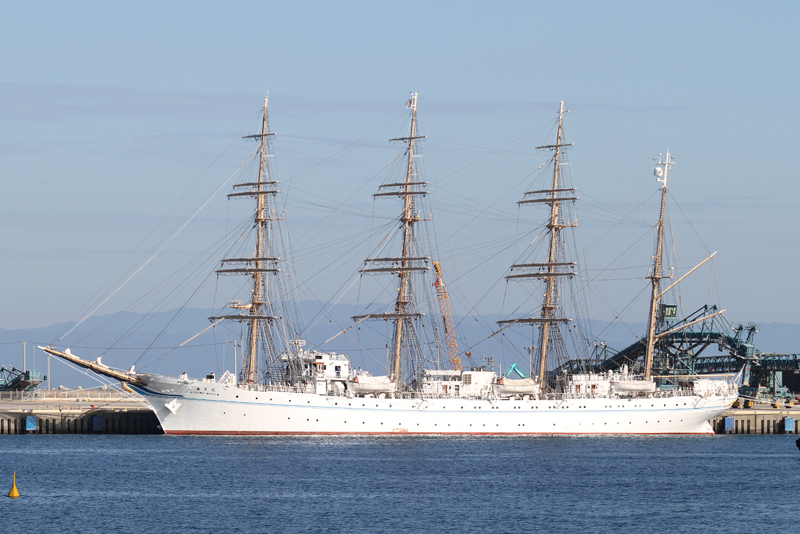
117	115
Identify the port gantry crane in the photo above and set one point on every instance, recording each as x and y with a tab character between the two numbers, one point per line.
447	319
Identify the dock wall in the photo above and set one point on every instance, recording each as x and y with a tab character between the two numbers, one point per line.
745	421
91	421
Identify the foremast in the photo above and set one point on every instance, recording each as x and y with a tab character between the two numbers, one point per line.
661	171
555	267
256	312
404	264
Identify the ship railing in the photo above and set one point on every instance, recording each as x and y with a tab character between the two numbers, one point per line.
91	394
682	392
275	387
435	396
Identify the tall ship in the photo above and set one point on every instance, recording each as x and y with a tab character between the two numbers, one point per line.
285	387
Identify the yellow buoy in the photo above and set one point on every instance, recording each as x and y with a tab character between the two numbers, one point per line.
14	493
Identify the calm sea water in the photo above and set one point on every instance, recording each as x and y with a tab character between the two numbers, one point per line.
110	484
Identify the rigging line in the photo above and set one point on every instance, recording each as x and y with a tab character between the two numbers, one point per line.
581	118
481	213
91	347
164	244
675	202
716	279
175	205
323	312
304	202
489	291
343	331
495	151
201	332
368	351
175	316
486	209
351	145
600	204
628	176
97	378
209	251
336	210
475	147
457	200
212	249
618	223
321	141
619	256
618	316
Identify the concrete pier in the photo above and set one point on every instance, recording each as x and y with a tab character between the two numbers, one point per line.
760	419
27	417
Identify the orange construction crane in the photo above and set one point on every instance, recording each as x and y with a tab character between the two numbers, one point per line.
447	320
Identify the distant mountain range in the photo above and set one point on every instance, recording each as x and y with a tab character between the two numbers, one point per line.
149	341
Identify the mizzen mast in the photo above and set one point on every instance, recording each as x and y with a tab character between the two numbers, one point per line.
661	171
555	267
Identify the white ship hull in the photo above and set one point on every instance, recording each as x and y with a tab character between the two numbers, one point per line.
214	408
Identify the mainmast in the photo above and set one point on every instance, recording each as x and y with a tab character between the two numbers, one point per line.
404	264
661	171
554	267
260	264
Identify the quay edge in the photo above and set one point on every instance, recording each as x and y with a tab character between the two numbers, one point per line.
760	419
24	418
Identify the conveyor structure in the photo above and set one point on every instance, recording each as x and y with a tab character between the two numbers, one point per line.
12	379
682	351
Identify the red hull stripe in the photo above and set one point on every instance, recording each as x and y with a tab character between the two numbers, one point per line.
256	433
